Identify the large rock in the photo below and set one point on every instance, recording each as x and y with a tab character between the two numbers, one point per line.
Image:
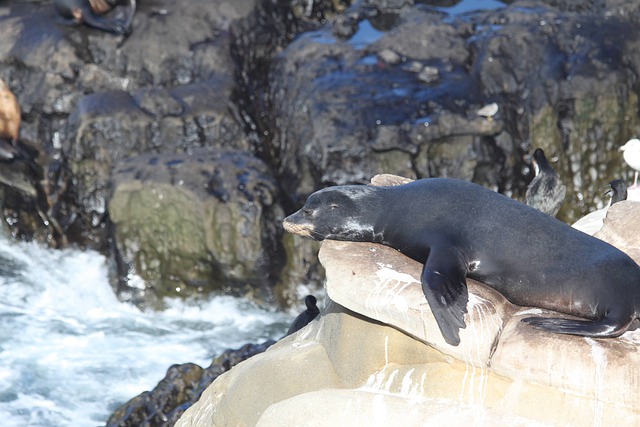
620	227
594	221
377	354
189	223
106	128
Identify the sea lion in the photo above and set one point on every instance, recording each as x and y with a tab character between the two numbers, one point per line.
306	316
458	229
545	191
89	11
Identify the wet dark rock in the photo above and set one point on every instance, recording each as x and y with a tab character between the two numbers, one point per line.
177	67
97	120
259	37
352	115
180	388
210	117
402	90
564	87
151	120
158	102
171	43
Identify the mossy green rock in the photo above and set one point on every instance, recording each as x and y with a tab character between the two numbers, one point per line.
196	222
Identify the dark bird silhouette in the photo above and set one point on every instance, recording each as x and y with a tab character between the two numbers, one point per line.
618	191
593	222
545	192
306	316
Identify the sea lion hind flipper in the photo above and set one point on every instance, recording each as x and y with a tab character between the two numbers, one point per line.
606	327
444	286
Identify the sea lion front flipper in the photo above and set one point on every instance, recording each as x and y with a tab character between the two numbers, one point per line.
445	287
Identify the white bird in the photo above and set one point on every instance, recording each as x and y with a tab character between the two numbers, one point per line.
488	110
631	155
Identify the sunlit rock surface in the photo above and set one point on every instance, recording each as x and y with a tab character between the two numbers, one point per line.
376	354
622	227
349	367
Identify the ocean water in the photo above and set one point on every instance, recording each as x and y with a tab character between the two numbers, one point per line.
70	352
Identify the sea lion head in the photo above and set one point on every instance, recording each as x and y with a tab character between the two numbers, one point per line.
337	213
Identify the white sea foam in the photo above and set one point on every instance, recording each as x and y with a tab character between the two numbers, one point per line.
70	352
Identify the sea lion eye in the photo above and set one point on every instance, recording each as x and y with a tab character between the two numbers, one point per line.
307	212
333	206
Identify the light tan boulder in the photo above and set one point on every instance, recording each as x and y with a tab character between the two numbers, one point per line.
622	228
383	284
351	367
593	222
376	357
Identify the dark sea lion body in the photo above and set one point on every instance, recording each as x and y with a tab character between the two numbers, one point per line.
89	11
458	229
